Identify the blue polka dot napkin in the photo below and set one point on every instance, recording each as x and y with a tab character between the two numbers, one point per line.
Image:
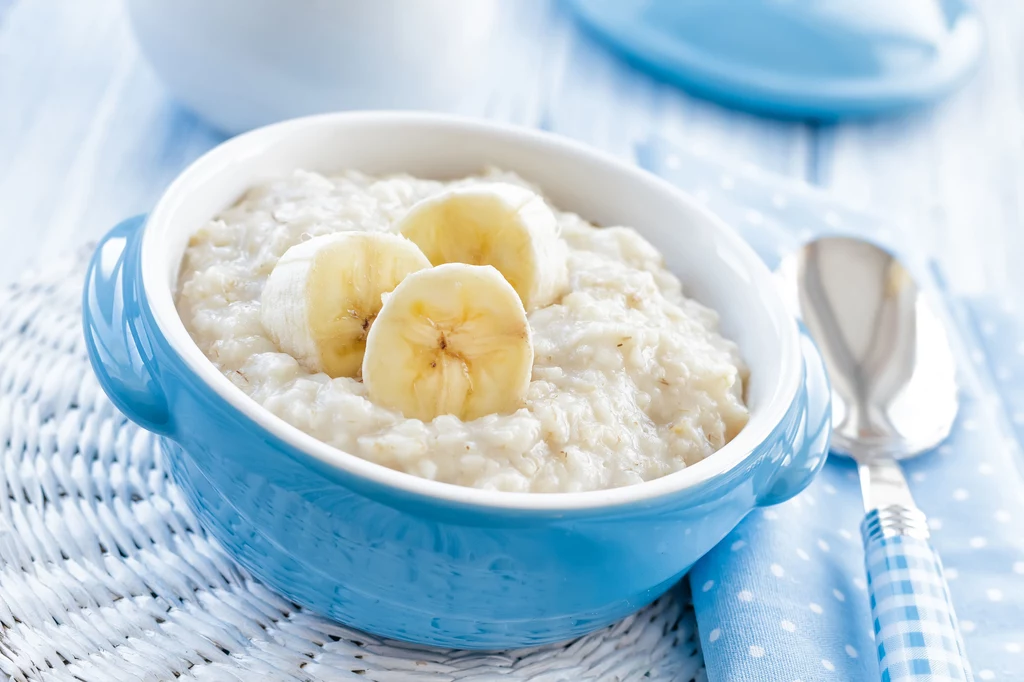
784	596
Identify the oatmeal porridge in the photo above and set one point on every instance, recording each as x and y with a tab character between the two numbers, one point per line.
626	379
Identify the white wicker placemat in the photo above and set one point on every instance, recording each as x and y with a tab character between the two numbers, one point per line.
105	575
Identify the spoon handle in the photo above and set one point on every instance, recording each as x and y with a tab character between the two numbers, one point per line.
915	626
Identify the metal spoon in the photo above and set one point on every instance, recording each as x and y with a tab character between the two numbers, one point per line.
894	396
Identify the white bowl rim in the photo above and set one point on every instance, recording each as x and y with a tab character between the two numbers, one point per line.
157	291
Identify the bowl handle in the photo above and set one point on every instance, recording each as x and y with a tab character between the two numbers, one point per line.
118	347
810	445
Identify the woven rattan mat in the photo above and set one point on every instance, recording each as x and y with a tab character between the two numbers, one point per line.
106	576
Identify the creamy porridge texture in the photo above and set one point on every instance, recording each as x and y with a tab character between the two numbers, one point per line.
631	380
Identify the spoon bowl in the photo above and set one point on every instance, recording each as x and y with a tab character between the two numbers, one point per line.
894	390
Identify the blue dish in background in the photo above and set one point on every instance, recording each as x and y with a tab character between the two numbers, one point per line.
410	558
820	59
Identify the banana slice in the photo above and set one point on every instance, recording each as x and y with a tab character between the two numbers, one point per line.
450	340
323	295
497	224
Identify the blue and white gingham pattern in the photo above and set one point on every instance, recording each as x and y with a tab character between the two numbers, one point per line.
914	624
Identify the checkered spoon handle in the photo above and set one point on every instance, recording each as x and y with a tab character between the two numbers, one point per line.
915	626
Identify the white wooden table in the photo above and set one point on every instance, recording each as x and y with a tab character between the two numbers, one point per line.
88	135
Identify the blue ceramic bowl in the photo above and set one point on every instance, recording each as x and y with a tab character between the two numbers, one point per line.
414	559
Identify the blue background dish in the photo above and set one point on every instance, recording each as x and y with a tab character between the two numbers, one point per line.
798	58
384	551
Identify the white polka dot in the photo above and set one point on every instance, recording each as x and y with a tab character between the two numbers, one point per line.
977	356
754	217
745	595
851	652
935	524
1018	418
917	476
1008	306
788	626
803	555
707	586
702	196
832	219
777	570
829	488
945	450
673	161
756	651
827	664
1004	374
860	583
1013	647
714	635
838	595
960	494
967	626
779	201
738	545
1002	516
1020	348
978	542
771	514
986	675
823	546
727	181
970	425
845	534
994	594
985	469
951	573
988	329
816	608
1018	567
805	235
809	499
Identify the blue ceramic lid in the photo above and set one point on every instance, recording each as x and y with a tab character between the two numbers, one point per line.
822	59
